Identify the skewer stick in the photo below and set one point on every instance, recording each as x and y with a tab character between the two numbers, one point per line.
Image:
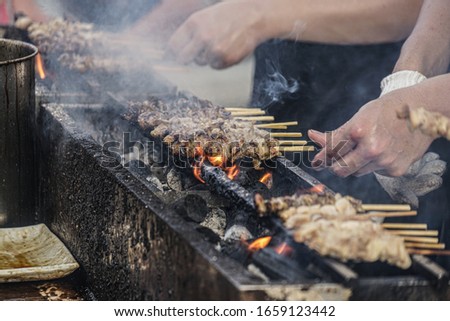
428	252
297	149
404	226
388	214
239	109
386	207
275	127
287	135
248	113
428	240
438	246
290	123
414	232
257	118
292	142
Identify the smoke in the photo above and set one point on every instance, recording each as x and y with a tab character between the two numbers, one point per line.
276	86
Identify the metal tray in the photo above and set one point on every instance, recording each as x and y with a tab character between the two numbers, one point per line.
33	253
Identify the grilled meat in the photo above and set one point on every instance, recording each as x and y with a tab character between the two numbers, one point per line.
188	125
354	240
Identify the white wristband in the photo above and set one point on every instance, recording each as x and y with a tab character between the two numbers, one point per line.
401	79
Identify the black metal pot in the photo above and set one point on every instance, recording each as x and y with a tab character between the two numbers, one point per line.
18	168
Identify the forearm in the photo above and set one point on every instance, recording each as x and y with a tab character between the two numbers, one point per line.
427	50
431	94
30	8
342	22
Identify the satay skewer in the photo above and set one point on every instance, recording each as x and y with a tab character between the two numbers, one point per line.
276	127
428	240
388	214
296	149
428	252
241	109
291	123
414	232
404	226
248	113
438	246
386	207
286	135
257	118
292	142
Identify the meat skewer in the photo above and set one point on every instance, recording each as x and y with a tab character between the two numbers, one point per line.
353	240
429	123
191	126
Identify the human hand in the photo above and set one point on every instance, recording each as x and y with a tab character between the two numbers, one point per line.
165	18
372	140
221	35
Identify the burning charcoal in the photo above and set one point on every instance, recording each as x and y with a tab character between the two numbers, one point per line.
216	221
155	181
192	207
159	172
174	180
237	232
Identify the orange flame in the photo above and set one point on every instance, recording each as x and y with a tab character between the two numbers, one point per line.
232	172
259	243
199	155
318	189
283	249
198	171
40	66
267	179
216	161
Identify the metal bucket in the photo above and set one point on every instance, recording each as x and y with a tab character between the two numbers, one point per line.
18	168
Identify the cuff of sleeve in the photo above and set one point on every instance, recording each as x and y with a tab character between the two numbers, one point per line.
401	79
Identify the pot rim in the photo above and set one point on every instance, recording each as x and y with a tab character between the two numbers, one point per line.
19	43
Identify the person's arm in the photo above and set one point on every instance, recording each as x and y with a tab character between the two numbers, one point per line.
30	8
374	139
427	50
166	17
225	33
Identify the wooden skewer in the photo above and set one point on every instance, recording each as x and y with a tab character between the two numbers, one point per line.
292	142
386	207
257	118
404	226
290	123
388	214
276	127
238	109
287	135
428	252
414	232
248	113
428	240
297	149
438	246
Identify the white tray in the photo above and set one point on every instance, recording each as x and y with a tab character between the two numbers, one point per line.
33	253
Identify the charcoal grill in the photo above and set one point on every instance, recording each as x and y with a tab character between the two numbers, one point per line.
134	245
